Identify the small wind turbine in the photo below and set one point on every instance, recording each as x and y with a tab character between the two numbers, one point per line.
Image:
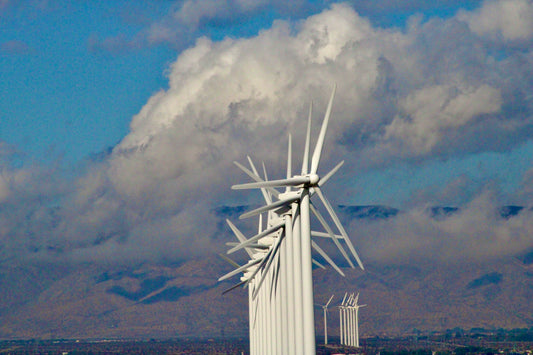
342	318
325	308
356	306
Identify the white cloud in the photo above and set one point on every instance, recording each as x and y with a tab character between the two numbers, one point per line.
512	19
427	92
427	114
475	233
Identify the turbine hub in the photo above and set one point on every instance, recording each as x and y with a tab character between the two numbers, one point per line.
313	179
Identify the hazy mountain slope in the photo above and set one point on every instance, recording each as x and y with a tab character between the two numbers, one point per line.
48	300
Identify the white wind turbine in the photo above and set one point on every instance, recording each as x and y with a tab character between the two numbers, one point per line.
284	294
356	307
342	320
325	308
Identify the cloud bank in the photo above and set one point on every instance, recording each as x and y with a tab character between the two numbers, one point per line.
434	90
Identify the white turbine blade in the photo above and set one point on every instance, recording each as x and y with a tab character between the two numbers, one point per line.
320	142
326	177
305	161
352	299
256	178
325	256
234	287
339	226
255	314
274	205
272	191
327	304
344	299
293	181
264	171
231	262
265	259
256	237
274	283
325	235
357	298
239	269
253	246
239	235
349	300
265	265
289	163
318	264
330	232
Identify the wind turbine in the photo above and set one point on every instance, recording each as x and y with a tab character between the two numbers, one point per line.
342	319
356	307
325	308
280	254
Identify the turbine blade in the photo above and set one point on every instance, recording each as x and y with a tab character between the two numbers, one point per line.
255	314
332	236
325	256
265	259
305	161
256	237
256	178
239	235
339	226
293	181
326	177
289	163
327	304
264	171
325	235
239	269
274	205
266	196
274	283
253	246
234	287
231	262
318	264
344	299
266	266
320	142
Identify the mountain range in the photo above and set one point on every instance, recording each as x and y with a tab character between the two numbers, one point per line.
50	300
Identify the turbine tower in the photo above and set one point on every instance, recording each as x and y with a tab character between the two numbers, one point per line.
325	308
279	271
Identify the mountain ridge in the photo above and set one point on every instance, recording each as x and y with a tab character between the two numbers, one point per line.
184	299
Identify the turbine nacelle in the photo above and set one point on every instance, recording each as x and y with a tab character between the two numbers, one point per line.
313	180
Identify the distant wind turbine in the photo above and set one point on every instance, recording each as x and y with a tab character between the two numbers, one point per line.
325	308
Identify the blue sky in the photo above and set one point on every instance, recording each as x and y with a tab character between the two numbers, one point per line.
69	91
435	104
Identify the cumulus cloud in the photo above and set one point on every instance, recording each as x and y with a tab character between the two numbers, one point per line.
510	19
186	20
430	91
426	114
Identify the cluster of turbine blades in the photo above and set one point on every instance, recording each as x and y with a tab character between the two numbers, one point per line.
283	248
310	181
